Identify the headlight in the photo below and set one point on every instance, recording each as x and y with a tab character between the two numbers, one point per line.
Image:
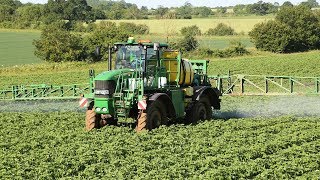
98	109
104	109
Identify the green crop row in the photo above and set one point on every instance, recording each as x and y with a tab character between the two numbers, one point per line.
54	145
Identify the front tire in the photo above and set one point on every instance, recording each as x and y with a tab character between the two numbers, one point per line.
153	117
92	119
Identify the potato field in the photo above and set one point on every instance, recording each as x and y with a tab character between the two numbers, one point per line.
55	145
47	140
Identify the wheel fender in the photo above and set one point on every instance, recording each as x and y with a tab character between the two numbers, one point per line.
212	93
166	100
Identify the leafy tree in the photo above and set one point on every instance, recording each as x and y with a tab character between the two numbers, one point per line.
95	3
310	3
313	3
160	12
17	3
294	29
117	11
187	43
202	11
6	13
239	9
170	15
7	9
221	10
29	16
99	13
58	45
134	12
33	13
71	10
221	30
287	4
144	12
144	9
305	4
190	31
272	8
106	33
132	28
184	12
11	3
317	14
78	10
261	8
272	36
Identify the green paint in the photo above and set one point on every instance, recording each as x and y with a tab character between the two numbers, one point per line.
113	74
177	97
102	103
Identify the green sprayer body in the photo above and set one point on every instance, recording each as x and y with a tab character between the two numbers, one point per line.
150	79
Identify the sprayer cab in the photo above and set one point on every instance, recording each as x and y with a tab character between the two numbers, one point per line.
133	54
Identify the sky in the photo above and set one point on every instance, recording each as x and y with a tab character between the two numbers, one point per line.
177	3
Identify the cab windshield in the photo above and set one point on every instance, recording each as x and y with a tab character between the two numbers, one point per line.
129	56
132	56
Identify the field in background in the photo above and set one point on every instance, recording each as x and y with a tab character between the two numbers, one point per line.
16	47
242	24
298	64
213	42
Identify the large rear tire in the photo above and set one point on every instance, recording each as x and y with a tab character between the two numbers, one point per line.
201	110
153	117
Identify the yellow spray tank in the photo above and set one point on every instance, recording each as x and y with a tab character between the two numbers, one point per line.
170	61
186	73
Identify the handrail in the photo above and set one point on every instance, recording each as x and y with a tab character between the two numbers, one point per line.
238	84
255	84
43	91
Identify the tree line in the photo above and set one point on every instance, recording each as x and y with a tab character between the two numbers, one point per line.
264	8
14	14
